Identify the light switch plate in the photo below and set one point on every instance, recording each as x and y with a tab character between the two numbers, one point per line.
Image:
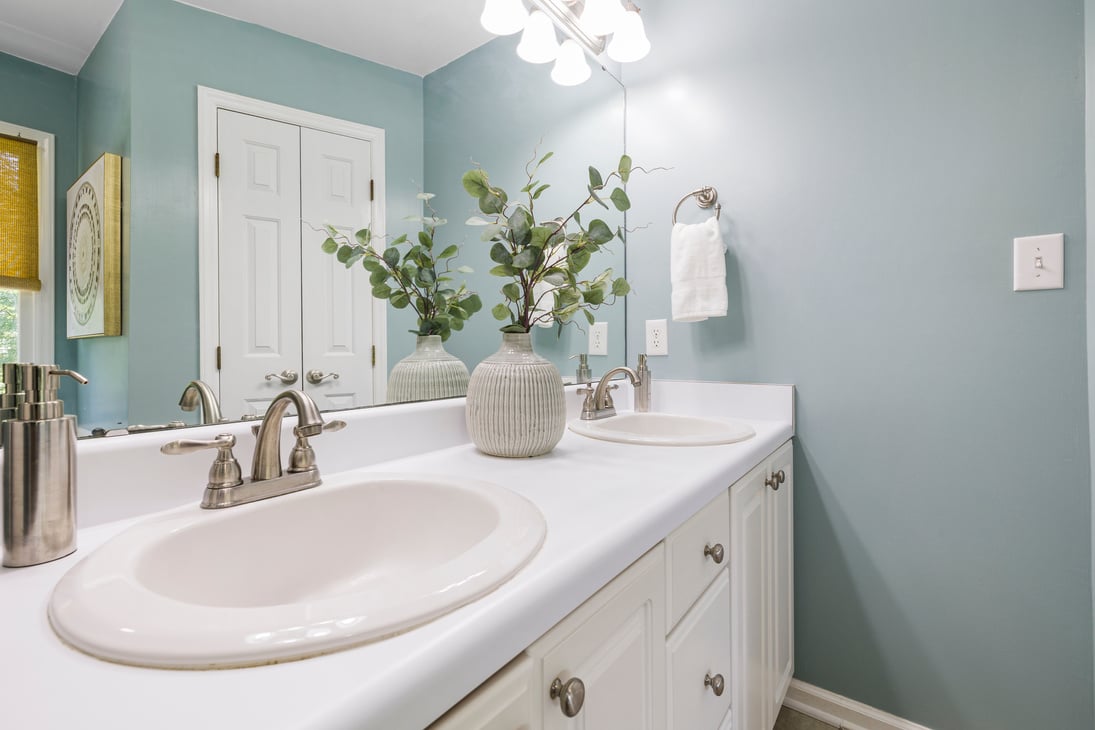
1039	262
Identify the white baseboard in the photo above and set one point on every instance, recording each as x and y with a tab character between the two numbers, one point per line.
842	712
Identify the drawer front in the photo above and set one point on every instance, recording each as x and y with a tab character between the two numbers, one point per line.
688	569
697	649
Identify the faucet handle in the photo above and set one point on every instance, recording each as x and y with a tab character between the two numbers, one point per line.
225	471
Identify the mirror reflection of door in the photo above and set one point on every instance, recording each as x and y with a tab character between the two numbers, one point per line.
291	316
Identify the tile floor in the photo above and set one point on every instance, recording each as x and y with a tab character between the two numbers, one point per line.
790	720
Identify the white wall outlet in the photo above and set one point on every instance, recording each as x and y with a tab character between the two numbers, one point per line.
657	337
1039	262
598	338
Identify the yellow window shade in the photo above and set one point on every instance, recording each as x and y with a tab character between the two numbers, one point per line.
19	214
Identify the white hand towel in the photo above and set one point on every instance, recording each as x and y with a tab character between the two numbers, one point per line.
697	271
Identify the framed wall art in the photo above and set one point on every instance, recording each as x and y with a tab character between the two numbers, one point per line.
94	258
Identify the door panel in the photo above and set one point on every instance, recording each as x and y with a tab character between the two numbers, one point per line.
337	304
259	258
748	601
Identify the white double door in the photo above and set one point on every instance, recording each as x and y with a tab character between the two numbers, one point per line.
290	315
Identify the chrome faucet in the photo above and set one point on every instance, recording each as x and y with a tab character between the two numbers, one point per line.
198	392
598	403
227	488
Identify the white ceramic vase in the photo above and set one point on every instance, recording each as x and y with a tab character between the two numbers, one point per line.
515	404
428	373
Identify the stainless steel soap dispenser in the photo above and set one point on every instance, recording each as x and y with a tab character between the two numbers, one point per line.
11	373
39	474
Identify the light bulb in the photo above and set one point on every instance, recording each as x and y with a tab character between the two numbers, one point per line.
629	42
503	17
571	68
538	43
601	17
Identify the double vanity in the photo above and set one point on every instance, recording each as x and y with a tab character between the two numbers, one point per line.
642	584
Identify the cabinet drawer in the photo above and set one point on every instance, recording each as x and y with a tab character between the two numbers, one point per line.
699	648
503	702
688	569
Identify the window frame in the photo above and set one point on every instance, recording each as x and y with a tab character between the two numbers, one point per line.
36	324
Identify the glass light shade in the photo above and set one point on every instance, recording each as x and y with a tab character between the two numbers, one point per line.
503	17
538	43
601	17
629	42
570	68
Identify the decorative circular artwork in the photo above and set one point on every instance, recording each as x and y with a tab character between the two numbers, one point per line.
85	253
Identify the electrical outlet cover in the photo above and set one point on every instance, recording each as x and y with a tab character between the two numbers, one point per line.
598	338
657	337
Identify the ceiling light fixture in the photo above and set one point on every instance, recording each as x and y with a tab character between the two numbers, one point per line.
570	68
586	23
538	43
503	17
629	42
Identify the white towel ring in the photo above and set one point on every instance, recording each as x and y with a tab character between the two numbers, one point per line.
705	198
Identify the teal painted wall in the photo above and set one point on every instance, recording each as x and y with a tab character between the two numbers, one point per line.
104	125
44	99
874	161
492	109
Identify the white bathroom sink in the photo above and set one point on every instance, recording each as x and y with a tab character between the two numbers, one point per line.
664	429
354	560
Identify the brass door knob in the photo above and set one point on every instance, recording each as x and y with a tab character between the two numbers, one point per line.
571	695
715	552
716	683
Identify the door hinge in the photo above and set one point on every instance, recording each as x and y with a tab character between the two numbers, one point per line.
218	357
217	164
372	190
374	356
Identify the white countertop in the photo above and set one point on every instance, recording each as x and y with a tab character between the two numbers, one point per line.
605	505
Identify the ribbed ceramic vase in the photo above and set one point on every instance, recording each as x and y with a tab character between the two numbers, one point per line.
427	373
515	401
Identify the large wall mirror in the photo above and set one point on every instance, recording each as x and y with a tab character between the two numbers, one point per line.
137	96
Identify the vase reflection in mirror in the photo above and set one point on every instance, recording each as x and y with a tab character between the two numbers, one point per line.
427	373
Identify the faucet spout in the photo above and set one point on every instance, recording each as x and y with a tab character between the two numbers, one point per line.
267	461
198	392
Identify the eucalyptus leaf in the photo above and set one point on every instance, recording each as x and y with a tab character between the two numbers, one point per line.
513	329
500	312
364	236
382	291
477	221
399	300
512	291
425	196
500	254
625	168
475	183
493	230
504	270
449	252
344	253
379	276
597	199
620	200
589	316
621	288
539	191
391	257
527	258
599	232
595	179
464	270
330	246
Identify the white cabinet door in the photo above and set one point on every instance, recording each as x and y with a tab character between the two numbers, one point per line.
337	303
284	305
781	662
259	259
698	661
749	599
615	645
503	702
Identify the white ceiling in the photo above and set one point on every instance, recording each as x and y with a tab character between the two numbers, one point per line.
418	36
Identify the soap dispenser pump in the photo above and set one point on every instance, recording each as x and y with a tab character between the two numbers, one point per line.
583	374
11	373
39	474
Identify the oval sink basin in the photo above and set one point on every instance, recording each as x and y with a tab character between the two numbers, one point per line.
664	429
353	560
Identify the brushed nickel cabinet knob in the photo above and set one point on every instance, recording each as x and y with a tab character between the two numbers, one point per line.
571	695
715	552
716	683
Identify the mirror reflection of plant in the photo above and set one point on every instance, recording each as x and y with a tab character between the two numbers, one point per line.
417	276
544	260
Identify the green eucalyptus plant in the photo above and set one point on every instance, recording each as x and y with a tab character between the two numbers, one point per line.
545	260
412	274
